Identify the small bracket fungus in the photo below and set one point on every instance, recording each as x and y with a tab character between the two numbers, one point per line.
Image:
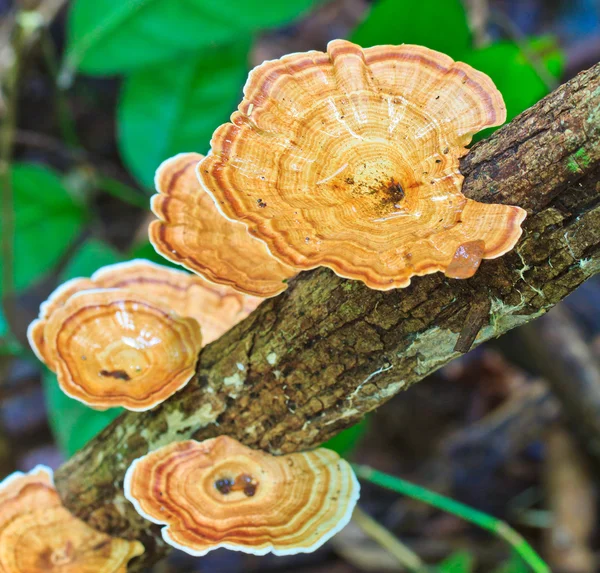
38	534
350	159
191	232
35	331
112	347
219	493
215	307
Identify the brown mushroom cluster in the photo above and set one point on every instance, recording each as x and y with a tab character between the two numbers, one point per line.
347	159
37	533
130	335
220	493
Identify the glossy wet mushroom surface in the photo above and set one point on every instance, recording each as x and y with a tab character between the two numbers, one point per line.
219	493
349	159
115	348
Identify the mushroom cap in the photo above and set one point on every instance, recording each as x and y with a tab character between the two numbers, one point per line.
350	159
191	232
38	534
215	307
113	347
220	493
35	331
11	485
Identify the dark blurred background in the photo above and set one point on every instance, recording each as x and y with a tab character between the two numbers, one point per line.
88	113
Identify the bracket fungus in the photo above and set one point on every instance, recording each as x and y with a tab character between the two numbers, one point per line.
37	533
113	347
350	159
220	493
191	232
215	307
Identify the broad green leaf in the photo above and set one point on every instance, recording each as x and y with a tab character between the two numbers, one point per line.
458	562
348	439
515	77
92	255
438	25
47	220
176	107
73	423
113	36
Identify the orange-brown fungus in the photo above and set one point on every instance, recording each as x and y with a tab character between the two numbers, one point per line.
215	307
219	493
113	347
350	159
38	534
192	233
35	332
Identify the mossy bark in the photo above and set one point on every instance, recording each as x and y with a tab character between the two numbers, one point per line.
314	360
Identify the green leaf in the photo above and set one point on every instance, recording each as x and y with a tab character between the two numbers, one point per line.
175	108
515	77
514	565
112	36
438	25
92	255
348	439
458	562
47	221
73	423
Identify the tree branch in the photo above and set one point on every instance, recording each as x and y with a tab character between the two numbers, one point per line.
314	360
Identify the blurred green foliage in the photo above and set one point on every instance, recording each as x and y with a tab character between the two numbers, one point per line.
47	219
167	109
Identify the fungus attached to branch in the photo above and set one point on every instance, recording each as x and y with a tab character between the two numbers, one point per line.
215	307
191	232
38	534
112	347
220	493
350	159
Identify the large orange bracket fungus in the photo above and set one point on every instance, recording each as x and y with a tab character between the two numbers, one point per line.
220	493
37	533
350	159
191	232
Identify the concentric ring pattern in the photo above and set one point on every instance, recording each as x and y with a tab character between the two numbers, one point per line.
191	232
115	348
219	493
349	159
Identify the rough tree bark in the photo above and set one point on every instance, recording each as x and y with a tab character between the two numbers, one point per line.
314	360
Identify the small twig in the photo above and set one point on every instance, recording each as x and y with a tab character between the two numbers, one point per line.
389	542
10	87
555	346
483	520
572	500
477	317
66	121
